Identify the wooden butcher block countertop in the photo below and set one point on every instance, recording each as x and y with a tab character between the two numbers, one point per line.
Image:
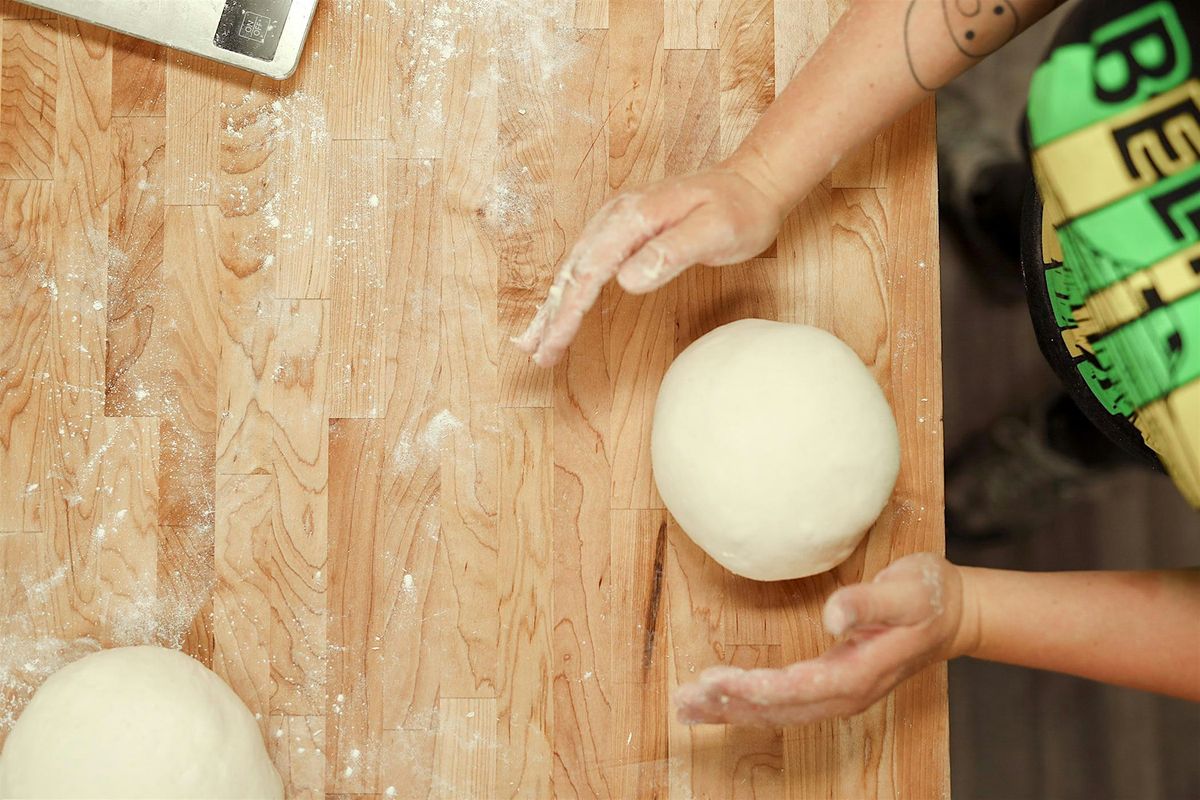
258	399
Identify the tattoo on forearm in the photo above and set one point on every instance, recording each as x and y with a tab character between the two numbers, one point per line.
975	27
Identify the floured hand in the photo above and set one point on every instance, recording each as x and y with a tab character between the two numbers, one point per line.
646	237
909	616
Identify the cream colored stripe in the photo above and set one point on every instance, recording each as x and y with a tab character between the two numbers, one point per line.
1171	427
1173	278
1086	171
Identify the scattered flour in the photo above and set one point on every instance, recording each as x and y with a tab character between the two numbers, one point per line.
409	451
26	662
509	204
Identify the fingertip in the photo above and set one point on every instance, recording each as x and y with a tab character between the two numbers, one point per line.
689	703
634	280
839	615
524	343
545	358
719	675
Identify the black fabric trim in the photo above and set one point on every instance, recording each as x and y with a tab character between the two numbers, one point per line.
1117	428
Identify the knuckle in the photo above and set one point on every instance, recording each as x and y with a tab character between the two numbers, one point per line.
626	201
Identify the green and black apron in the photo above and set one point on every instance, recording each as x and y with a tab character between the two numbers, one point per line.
1112	239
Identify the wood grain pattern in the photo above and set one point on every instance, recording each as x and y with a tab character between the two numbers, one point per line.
257	399
691	24
139	78
28	89
12	9
135	333
25	242
525	707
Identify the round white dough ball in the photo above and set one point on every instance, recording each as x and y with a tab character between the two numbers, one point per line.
136	722
773	447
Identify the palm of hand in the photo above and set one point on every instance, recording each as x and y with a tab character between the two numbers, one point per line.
906	618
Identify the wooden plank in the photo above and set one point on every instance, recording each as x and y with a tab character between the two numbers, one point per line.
696	601
691	24
641	766
470	467
11	9
245	529
28	92
354	246
591	14
641	344
635	96
189	421
379	612
406	764
355	466
298	196
465	753
864	168
134	355
300	465
296	744
139	78
525	701
182	614
469	287
26	295
469	110
246	241
747	58
800	27
358	97
193	103
127	530
421	44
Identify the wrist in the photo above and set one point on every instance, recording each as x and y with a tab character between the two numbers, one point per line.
752	165
968	632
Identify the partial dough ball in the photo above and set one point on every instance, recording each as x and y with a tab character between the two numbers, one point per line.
136	722
773	447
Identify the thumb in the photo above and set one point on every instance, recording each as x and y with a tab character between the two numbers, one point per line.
888	603
689	241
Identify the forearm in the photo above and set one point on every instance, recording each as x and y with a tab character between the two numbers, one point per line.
1137	629
881	58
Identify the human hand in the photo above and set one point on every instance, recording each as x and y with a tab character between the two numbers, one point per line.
910	615
648	236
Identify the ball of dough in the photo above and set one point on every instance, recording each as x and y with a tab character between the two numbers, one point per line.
773	447
136	722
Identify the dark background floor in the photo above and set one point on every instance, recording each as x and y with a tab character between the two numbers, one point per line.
1018	733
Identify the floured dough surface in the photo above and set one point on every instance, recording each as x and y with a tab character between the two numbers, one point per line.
773	447
136	722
